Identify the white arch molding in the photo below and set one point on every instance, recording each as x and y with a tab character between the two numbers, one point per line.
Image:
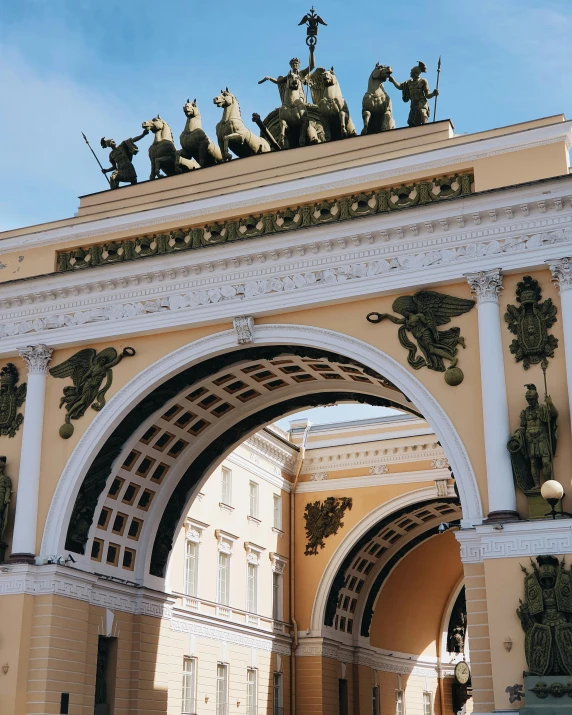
272	334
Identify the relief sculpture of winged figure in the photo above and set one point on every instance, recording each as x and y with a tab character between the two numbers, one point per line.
422	314
87	369
323	519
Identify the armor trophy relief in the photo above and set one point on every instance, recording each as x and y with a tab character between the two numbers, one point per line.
312	110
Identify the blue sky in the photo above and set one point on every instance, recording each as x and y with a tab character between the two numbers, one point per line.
104	67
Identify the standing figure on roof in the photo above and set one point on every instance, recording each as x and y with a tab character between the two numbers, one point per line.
295	73
121	160
416	90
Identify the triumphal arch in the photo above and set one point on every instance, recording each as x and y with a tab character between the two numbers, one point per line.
147	337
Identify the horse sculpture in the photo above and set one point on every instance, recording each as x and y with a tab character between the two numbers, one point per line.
333	108
162	152
231	131
195	144
294	125
376	104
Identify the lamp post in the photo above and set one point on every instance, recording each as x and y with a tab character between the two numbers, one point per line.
552	492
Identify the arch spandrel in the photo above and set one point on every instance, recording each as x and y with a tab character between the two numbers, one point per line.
320	339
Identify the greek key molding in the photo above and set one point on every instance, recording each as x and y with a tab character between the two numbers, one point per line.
515	540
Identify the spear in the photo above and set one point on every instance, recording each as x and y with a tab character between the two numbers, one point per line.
437	87
95	155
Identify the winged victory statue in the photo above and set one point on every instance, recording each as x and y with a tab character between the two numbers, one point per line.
422	313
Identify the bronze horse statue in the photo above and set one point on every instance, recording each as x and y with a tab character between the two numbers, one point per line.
195	143
376	104
333	108
231	131
162	152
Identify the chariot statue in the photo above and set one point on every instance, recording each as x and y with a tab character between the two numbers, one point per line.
231	131
296	122
333	108
416	90
121	160
195	143
376	104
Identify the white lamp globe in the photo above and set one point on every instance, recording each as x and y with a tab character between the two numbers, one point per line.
552	490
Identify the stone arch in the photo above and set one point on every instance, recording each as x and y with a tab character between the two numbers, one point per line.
157	376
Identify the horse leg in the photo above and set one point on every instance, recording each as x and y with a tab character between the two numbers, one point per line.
304	124
343	127
366	117
282	135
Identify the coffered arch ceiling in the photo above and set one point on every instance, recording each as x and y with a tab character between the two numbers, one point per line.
139	486
368	563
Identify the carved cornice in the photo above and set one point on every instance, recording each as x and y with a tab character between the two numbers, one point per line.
359	205
269	643
561	270
36	358
374	458
486	285
138	301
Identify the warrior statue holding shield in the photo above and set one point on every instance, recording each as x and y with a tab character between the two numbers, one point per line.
121	160
416	91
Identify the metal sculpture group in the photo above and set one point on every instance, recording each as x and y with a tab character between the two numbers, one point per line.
295	123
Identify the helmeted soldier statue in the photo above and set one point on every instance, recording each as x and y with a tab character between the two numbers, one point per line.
121	159
416	91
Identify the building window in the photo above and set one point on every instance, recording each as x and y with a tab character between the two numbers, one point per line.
226	479
375	700
427	705
253	492
277	707
278	512
222	689
276	596
191	568
251	692
252	588
189	686
223	579
399	703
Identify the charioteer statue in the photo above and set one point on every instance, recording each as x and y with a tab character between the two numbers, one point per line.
121	160
416	90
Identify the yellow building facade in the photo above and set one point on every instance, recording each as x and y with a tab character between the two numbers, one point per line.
235	295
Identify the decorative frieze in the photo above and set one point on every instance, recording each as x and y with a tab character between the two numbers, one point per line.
318	476
379	469
347	207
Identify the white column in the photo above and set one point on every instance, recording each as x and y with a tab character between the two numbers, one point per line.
486	286
25	523
561	270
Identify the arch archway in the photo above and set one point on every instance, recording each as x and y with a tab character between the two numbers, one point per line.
378	377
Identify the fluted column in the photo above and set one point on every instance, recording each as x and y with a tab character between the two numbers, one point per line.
25	523
561	270
486	286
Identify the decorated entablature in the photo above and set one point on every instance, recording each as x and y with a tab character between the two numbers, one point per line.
312	111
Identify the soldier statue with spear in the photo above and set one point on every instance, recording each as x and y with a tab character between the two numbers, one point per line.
416	90
120	158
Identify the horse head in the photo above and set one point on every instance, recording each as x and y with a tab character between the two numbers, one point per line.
383	72
329	77
225	98
153	125
190	109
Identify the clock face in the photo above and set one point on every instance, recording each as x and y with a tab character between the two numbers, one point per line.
462	673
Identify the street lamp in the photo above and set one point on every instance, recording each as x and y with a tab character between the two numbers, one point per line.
552	491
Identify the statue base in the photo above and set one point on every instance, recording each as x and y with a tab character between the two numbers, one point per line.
494	517
547	695
3	548
22	559
101	709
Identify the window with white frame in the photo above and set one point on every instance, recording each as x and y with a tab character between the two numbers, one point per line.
226	484
276	596
427	704
253	494
191	568
223	579
189	704
278	512
399	703
222	689
375	700
277	696
252	588
251	691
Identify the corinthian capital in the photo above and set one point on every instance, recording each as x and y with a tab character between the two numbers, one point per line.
561	270
485	285
37	358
